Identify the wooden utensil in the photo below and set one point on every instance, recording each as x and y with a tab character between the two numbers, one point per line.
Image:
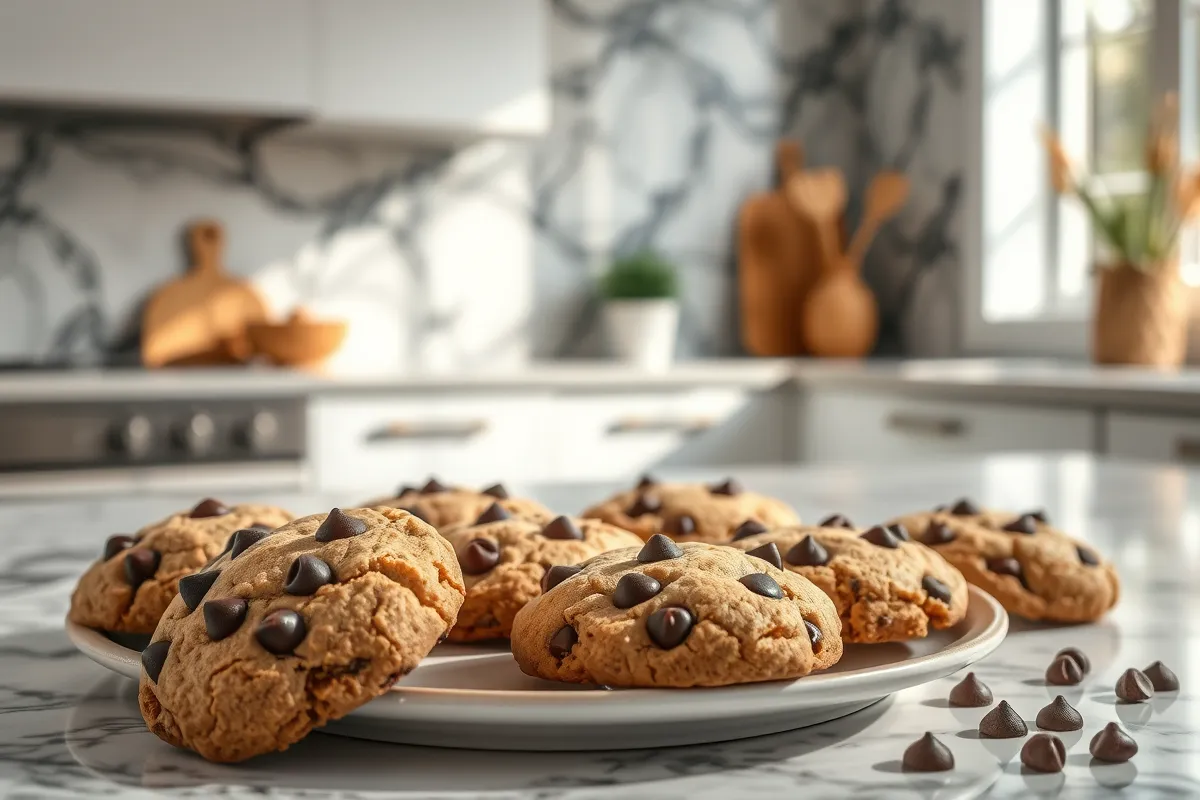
300	342
840	318
820	195
202	317
886	193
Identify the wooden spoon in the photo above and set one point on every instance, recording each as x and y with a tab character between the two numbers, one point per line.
886	193
820	195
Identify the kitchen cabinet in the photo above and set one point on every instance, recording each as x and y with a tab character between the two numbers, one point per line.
1152	437
196	55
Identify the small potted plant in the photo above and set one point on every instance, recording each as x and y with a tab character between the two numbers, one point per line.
641	309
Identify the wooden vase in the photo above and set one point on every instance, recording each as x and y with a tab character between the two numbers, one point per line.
1140	316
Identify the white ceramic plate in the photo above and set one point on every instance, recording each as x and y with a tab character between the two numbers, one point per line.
476	696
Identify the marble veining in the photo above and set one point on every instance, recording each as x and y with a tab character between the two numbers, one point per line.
70	729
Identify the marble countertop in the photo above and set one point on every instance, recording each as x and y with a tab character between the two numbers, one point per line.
70	729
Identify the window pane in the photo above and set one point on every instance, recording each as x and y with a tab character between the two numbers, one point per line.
1119	32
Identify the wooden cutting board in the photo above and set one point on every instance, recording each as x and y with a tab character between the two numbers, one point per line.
201	318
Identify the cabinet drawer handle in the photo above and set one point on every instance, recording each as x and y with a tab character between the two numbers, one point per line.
920	425
688	427
396	431
1187	449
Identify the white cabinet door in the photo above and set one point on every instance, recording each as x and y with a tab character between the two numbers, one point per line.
847	426
1152	437
476	66
218	55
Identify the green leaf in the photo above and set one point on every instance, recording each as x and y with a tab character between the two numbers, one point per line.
641	276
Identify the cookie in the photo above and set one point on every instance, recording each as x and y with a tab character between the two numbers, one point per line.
667	614
445	506
298	628
134	581
885	589
1033	569
692	511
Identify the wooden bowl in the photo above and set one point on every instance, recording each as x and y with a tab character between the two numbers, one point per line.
297	342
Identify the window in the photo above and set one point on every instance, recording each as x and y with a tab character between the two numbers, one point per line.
1091	69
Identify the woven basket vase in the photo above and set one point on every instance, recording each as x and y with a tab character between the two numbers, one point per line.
1141	317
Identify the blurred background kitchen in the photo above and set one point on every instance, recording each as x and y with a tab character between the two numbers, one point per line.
343	244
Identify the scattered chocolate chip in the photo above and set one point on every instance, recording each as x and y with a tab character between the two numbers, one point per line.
927	754
1007	566
836	521
682	525
1002	722
633	589
964	508
644	504
761	583
658	548
307	574
479	556
855	585
497	491
937	533
241	540
808	552
140	565
1113	745
729	486
970	692
1134	687
936	589
1064	671
117	544
557	574
562	642
899	531
750	527
209	508
1161	678
192	588
1044	752
1085	666
1040	515
814	635
153	658
434	486
1087	557
416	511
562	528
340	525
881	537
1022	524
281	631
1059	715
669	626
646	482
223	617
769	553
493	513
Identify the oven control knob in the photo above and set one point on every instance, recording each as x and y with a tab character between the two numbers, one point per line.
197	435
259	432
134	437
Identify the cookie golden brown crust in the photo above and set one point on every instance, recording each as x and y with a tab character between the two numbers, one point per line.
882	593
691	614
129	591
445	507
1033	569
299	628
690	511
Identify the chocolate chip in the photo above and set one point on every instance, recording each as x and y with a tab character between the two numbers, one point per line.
644	504
117	544
493	513
970	692
1134	687
750	527
964	508
562	528
814	635
899	531
1113	745
1087	557
769	553
209	508
1022	524
1040	515
557	574
140	565
658	548
836	521
729	487
417	512
434	486
340	525
479	556
633	589
307	574
562	642
405	489
682	525
647	481
808	552
1085	666
1161	678
1044	752
192	588
927	754
1006	566
153	658
223	617
669	627
936	589
1002	722
937	533
1059	715
881	537
1064	671
761	583
245	538
497	491
281	631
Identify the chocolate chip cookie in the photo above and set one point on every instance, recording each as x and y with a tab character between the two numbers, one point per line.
445	506
668	614
691	512
1032	568
886	588
296	628
134	581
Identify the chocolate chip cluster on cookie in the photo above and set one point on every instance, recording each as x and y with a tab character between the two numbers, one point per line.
1032	568
136	578
445	506
691	512
678	615
290	629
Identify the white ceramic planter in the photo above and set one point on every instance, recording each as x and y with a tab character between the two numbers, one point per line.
642	332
